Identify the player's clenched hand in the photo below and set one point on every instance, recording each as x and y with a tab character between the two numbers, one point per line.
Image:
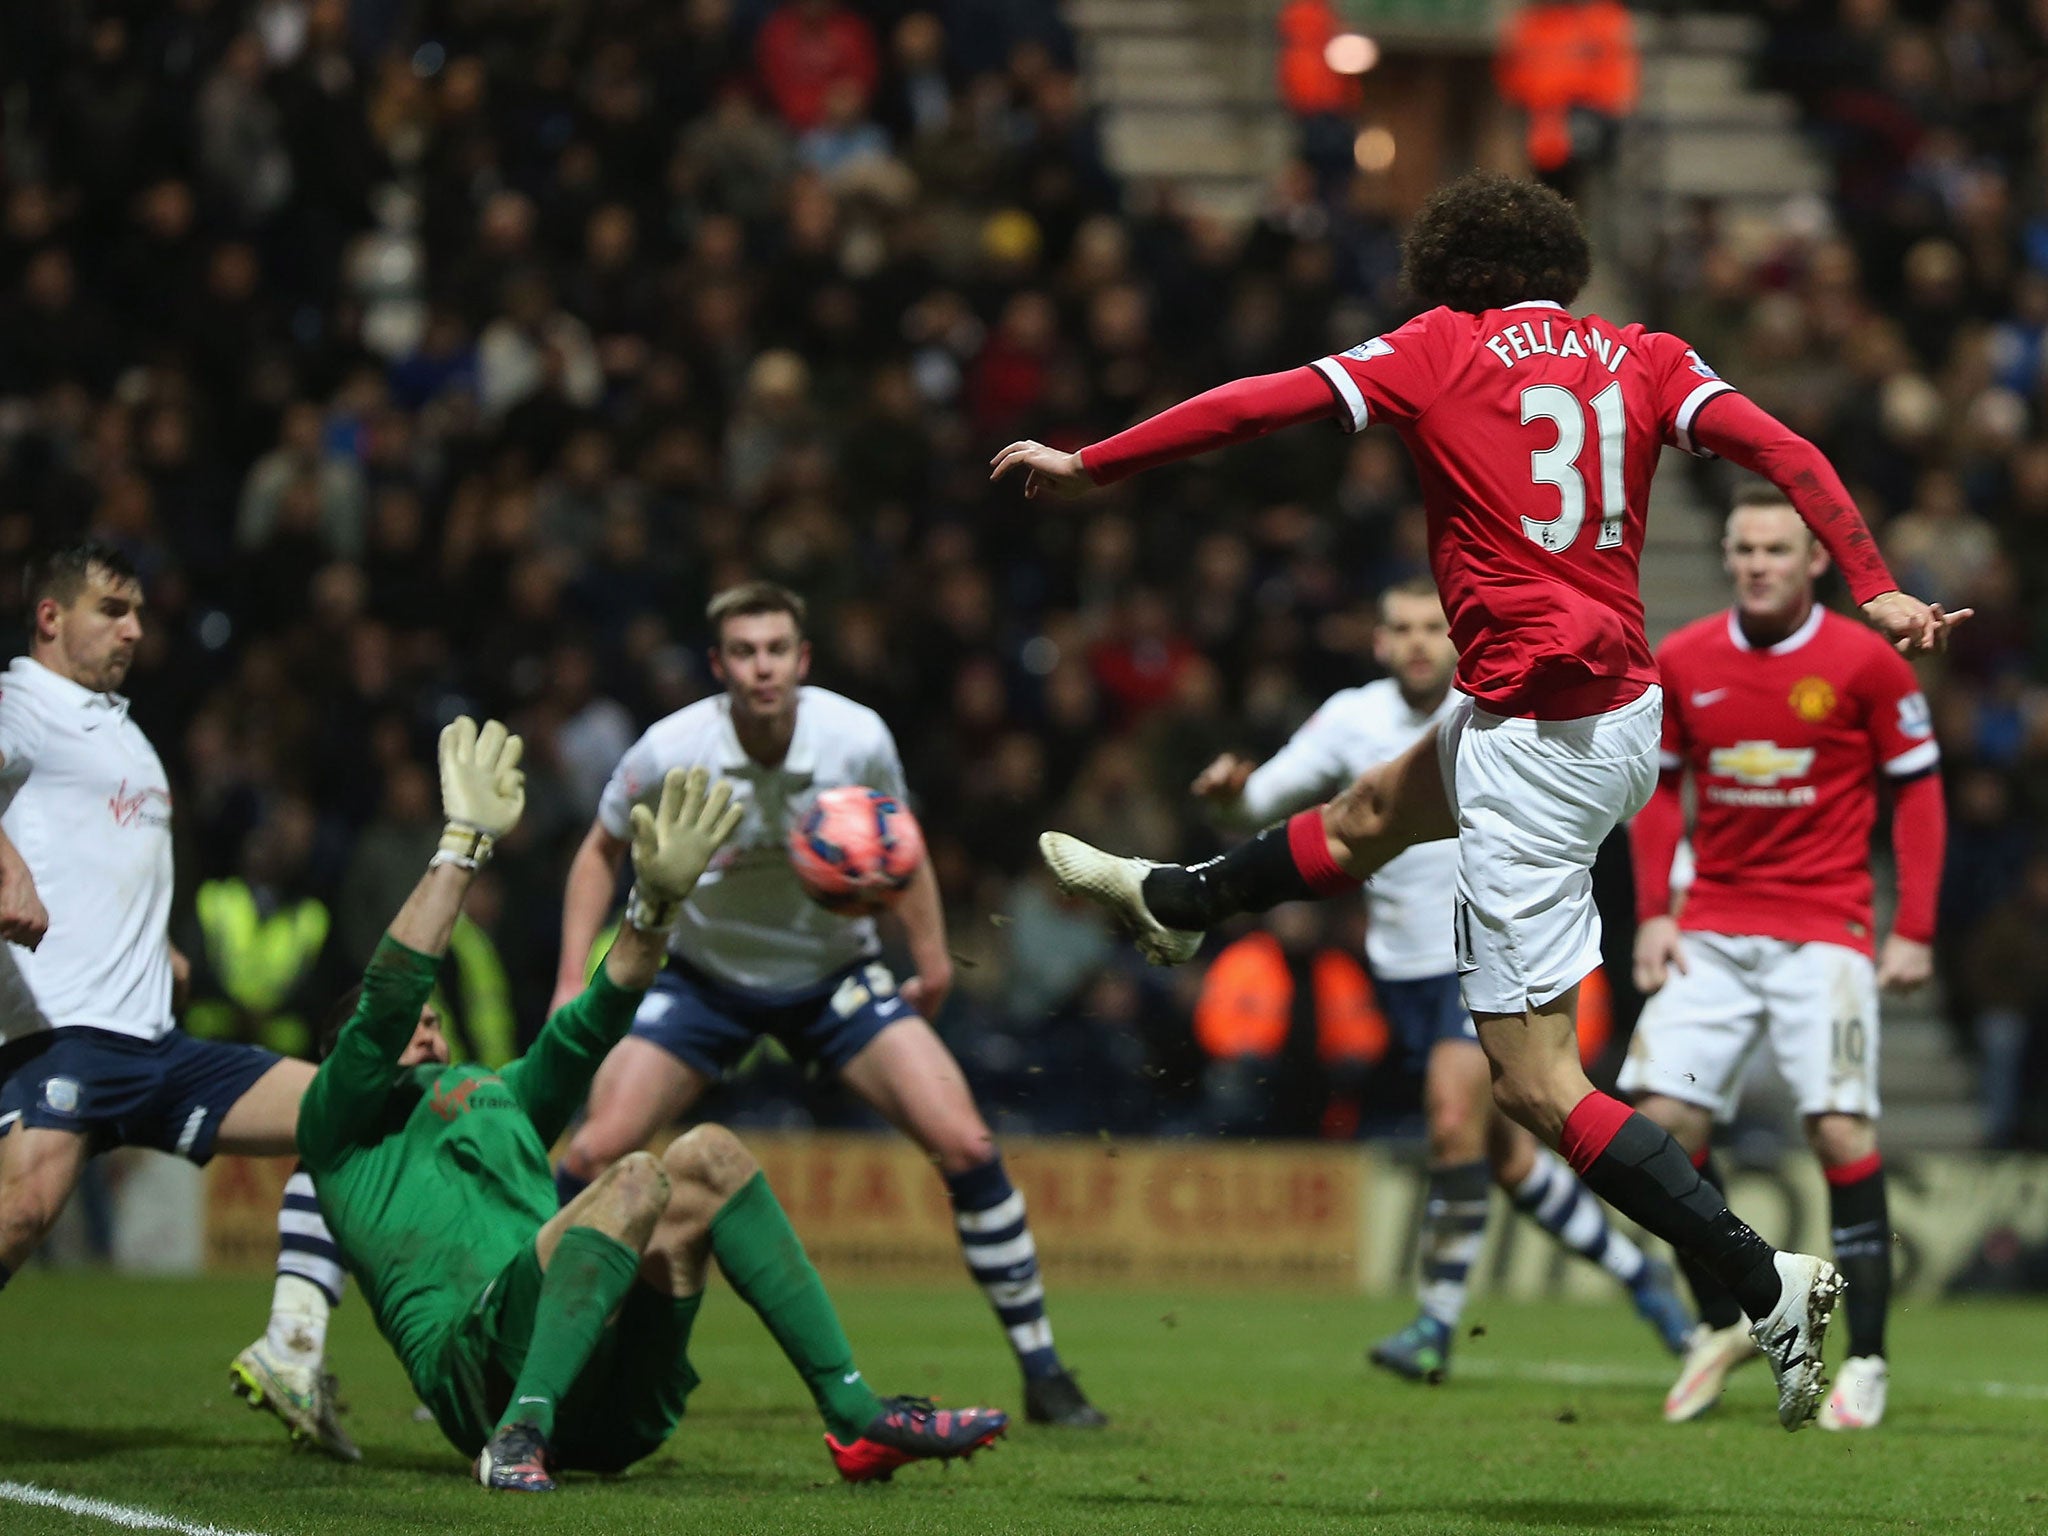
1223	779
1904	964
23	919
1910	624
1658	952
1048	472
482	789
673	843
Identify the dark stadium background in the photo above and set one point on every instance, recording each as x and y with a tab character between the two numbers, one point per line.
431	357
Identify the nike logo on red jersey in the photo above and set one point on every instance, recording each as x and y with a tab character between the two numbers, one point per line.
1711	696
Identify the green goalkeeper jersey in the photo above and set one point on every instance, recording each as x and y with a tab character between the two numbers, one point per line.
433	1178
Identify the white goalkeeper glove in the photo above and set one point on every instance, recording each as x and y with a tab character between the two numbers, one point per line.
673	845
482	790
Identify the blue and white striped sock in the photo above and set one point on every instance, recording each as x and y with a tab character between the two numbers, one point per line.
996	1240
309	1275
1561	1205
1453	1228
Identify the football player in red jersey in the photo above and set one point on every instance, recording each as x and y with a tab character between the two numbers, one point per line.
1527	424
1786	716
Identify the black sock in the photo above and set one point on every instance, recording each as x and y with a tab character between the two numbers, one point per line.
1646	1176
1715	1303
6	1275
1258	873
1863	1250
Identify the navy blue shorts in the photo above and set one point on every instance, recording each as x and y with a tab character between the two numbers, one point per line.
118	1091
1422	1012
710	1026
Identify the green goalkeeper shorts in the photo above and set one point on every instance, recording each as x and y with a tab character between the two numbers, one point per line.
627	1401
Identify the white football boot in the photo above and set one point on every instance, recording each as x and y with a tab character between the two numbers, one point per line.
1794	1332
302	1396
1858	1399
1117	883
1710	1354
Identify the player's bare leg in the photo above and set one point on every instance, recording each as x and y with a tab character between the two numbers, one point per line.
1860	1224
1633	1164
1323	851
639	1088
264	1122
910	1079
39	1168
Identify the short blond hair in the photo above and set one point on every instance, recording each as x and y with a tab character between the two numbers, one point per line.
751	597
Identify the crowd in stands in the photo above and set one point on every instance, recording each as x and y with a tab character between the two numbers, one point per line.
447	356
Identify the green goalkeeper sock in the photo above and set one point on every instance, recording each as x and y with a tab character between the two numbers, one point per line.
762	1257
585	1282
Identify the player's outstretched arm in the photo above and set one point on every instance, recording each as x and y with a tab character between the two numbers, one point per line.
673	843
586	903
1743	433
483	793
1235	412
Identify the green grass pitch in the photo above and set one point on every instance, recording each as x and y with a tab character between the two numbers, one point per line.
1234	1413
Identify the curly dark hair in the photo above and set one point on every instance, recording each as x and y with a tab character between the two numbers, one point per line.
1487	240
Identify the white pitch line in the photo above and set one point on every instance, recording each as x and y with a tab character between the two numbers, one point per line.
1567	1373
123	1515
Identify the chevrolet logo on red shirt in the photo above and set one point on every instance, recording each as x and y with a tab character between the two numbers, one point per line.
1762	763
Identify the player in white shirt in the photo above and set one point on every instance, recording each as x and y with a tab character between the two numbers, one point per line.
90	1054
1409	950
753	955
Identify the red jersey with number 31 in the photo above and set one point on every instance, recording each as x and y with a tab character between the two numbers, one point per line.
1535	434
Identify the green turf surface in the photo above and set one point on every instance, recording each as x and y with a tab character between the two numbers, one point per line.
1233	1414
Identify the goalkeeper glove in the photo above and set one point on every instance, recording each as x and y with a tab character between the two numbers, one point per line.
482	790
673	845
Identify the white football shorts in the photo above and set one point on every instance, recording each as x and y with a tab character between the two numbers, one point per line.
1815	1003
1534	800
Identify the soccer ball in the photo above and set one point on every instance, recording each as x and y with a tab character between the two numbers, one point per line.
855	850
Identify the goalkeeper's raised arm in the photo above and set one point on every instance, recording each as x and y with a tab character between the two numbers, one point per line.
483	793
672	846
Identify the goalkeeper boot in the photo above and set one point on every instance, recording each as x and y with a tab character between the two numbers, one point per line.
1119	884
515	1461
1656	1299
1858	1399
1794	1332
301	1396
1057	1399
914	1429
1419	1352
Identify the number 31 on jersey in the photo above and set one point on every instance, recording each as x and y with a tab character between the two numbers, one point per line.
1558	464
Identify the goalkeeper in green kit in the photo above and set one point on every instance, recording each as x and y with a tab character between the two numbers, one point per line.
545	1339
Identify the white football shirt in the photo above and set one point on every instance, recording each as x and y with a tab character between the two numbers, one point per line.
85	800
1409	902
748	923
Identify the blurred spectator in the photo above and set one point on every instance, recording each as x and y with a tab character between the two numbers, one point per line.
809	47
1572	67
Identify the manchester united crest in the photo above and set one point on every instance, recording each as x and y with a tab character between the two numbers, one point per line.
1812	699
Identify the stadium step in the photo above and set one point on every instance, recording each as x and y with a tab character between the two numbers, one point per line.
1185	92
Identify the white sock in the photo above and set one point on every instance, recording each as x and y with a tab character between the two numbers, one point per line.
298	1322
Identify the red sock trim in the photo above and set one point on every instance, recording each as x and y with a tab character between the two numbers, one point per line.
1856	1172
1310	845
1699	1158
1591	1125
